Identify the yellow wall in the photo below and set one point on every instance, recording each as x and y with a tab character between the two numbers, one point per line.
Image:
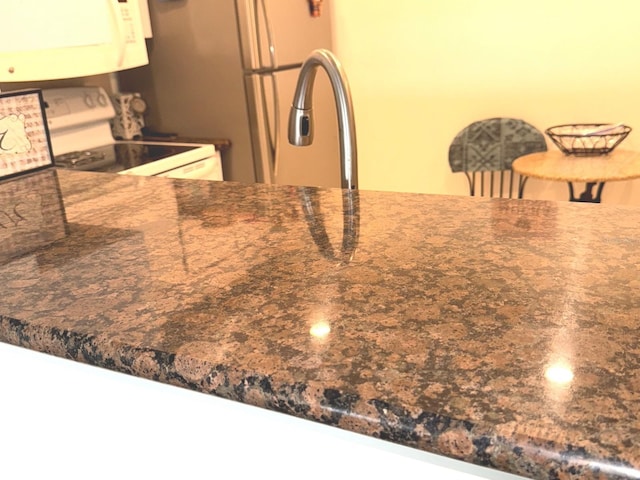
422	70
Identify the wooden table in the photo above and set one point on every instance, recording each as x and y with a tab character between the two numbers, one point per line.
596	170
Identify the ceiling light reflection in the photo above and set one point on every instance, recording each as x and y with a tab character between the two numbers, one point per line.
320	330
559	374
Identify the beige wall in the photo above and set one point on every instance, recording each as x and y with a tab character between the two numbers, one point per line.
422	70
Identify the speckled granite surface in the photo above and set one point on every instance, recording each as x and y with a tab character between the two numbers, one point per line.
503	333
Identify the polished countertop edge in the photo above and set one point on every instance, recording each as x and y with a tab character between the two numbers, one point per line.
431	432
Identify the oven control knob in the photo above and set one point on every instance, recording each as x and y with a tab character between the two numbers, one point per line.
88	101
102	99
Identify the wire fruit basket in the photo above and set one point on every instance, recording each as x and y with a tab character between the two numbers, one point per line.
588	139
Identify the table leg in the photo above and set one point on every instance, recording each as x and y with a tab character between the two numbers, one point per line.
521	184
587	195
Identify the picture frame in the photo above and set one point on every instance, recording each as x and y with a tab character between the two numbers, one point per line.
25	142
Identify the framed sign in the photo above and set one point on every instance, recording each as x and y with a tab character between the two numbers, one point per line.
25	144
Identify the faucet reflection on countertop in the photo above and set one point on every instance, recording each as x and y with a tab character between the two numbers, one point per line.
301	116
350	223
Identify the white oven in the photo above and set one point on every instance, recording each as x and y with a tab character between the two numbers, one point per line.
81	138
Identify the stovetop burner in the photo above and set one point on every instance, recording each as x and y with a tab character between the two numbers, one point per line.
85	160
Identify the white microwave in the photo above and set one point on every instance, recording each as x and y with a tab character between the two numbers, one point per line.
70	38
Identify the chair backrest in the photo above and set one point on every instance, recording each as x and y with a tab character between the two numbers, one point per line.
484	151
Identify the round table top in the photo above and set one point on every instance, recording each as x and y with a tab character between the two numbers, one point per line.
555	165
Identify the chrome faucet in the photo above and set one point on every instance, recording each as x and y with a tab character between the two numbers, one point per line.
301	116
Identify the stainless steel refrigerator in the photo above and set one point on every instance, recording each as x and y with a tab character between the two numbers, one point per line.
228	69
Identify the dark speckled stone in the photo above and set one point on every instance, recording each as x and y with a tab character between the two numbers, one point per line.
429	321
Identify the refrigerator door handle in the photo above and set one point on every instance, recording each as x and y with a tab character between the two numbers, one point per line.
276	124
273	134
270	42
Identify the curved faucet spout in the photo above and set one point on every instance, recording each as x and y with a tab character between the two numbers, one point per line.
301	116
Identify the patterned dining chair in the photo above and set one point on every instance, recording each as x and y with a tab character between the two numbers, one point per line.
484	151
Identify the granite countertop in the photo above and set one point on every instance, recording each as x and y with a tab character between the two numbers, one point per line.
499	332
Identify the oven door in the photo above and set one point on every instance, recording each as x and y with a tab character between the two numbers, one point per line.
207	169
155	158
147	159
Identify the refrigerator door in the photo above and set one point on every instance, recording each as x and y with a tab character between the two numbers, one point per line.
280	33
277	161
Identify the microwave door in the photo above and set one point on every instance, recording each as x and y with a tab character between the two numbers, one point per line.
90	38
